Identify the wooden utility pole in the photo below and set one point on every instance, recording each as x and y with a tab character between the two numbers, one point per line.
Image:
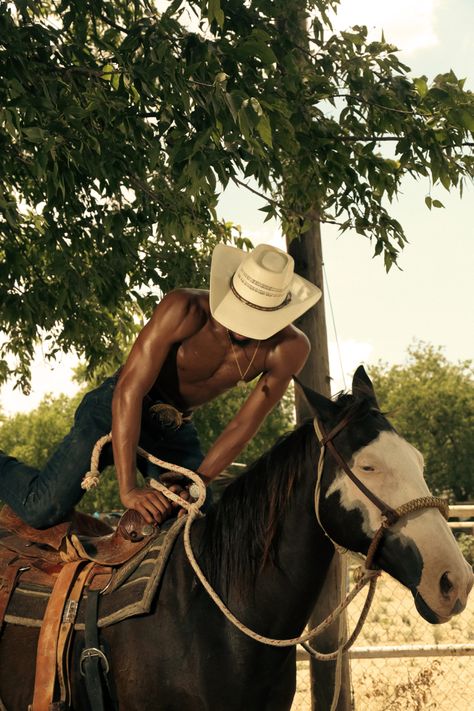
307	253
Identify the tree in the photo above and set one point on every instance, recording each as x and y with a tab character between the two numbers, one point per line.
120	124
32	437
431	402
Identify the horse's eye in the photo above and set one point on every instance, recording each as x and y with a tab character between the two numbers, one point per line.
367	468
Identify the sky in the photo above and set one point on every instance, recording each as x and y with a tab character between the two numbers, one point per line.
377	316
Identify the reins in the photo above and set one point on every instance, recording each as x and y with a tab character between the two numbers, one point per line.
91	479
368	575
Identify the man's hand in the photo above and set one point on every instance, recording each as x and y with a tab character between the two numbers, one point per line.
151	504
154	506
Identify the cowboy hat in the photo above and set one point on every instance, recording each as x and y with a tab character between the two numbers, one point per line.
257	293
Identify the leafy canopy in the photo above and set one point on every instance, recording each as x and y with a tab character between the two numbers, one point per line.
121	124
431	402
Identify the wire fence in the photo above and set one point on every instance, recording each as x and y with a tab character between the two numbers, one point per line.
413	665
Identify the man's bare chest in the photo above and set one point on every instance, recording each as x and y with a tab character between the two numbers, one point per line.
218	364
199	361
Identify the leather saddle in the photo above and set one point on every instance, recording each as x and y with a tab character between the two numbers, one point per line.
39	556
67	558
82	538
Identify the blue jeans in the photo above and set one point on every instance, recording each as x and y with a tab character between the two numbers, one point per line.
45	497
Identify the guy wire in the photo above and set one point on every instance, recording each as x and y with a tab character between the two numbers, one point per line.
334	325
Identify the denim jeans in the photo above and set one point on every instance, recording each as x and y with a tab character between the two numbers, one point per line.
45	497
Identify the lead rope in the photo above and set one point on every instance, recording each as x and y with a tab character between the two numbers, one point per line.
91	479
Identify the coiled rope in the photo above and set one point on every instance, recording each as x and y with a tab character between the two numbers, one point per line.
91	479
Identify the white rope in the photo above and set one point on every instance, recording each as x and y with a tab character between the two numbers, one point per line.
193	512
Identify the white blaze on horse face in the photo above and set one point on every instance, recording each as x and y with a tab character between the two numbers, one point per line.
393	470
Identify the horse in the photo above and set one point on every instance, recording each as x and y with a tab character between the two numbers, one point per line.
266	554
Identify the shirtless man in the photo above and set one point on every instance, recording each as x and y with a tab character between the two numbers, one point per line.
197	345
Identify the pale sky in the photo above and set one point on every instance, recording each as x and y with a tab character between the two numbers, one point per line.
377	315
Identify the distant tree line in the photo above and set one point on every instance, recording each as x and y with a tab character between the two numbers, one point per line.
429	400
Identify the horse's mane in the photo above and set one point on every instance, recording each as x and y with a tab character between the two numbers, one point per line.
242	529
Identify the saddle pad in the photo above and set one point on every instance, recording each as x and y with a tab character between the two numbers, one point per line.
130	592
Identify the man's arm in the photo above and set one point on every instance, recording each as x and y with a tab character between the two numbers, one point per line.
286	360
176	317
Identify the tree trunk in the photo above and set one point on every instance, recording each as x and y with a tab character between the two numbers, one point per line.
307	253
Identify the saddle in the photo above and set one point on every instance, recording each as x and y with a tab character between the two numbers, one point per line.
83	537
73	555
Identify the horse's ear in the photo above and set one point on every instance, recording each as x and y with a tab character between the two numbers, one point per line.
362	385
322	406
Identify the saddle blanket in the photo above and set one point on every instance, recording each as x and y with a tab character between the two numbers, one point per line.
130	591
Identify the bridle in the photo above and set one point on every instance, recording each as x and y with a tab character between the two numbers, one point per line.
390	516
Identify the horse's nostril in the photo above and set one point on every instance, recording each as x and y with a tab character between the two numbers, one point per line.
445	584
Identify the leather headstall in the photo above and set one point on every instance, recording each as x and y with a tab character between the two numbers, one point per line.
387	511
389	515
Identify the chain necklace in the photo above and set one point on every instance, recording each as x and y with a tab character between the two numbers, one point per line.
241	383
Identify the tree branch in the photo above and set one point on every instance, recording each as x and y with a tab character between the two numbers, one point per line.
279	205
378	139
113	24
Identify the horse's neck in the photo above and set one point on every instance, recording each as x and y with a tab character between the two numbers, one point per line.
285	590
303	557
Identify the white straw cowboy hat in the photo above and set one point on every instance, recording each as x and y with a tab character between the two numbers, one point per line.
257	293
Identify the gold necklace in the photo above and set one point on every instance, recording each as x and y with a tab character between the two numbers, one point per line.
241	383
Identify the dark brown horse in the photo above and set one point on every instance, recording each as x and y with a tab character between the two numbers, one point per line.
265	553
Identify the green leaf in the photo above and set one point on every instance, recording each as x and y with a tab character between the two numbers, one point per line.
355	38
265	130
107	72
255	104
244	123
135	94
34	134
421	85
428	202
467	119
115	80
253	47
270	210
445	181
437	203
214	12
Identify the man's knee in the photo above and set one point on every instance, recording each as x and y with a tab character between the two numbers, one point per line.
44	514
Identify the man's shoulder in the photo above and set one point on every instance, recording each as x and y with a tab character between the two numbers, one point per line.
187	300
183	311
291	337
289	350
187	294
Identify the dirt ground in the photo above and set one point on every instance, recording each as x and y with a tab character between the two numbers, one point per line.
407	684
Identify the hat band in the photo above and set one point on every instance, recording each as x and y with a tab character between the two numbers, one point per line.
255	306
